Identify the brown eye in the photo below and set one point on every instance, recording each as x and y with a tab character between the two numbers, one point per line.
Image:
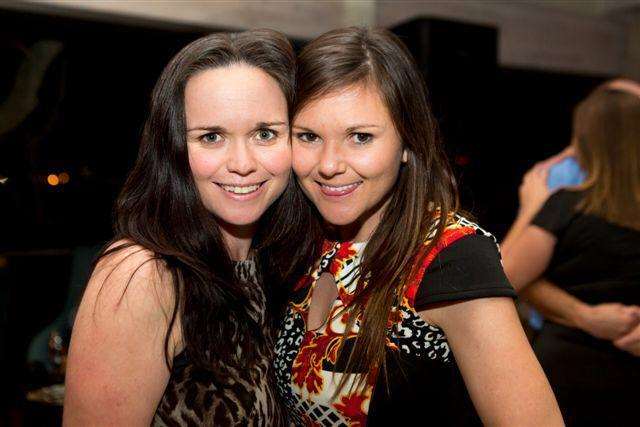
362	137
307	137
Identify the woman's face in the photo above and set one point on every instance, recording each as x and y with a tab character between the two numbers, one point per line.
347	154
238	141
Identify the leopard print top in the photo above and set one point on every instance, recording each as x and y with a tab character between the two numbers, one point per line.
194	398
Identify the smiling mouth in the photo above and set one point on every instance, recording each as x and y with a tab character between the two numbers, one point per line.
240	189
335	190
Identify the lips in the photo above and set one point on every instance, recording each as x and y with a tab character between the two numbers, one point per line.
338	190
240	189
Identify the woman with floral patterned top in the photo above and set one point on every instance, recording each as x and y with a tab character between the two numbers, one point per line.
405	314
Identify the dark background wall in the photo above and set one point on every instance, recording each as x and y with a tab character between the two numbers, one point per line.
92	98
495	121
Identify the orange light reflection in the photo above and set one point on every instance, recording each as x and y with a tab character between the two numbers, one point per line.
53	180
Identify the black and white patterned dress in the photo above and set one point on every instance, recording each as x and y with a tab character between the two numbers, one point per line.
193	397
423	385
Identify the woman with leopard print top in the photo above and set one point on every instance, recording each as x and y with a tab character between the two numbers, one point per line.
173	328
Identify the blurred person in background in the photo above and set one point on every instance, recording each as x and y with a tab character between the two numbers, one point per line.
575	256
405	313
175	324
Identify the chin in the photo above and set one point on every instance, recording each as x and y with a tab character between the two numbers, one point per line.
338	218
243	222
238	218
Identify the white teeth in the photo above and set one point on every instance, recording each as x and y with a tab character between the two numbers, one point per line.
240	190
343	188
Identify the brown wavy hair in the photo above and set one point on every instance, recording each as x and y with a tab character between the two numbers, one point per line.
159	207
606	128
424	191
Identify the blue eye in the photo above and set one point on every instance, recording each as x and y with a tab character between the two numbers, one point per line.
211	138
362	137
266	134
307	137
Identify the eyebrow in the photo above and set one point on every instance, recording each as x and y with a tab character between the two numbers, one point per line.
353	128
208	128
302	128
223	130
348	130
267	124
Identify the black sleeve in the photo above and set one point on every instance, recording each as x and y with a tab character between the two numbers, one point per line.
557	212
469	268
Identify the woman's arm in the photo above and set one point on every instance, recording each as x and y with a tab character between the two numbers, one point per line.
554	303
606	321
533	192
630	342
503	376
116	372
527	249
528	257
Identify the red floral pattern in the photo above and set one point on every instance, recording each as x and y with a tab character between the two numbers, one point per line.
351	408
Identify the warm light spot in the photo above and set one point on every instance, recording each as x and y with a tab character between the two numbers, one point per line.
53	180
462	160
3	262
64	178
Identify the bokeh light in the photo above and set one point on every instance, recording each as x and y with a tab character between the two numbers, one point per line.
64	178
53	180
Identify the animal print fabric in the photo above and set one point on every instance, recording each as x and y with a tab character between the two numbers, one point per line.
193	397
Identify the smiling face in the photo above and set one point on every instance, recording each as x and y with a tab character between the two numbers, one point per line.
238	141
347	155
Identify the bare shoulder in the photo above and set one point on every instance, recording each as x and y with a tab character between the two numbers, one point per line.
126	308
118	350
129	277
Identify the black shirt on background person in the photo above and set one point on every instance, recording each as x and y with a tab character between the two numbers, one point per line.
596	261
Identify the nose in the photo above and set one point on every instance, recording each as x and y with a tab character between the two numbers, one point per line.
241	159
331	160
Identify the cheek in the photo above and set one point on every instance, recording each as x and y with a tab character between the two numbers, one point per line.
278	161
375	164
203	165
304	160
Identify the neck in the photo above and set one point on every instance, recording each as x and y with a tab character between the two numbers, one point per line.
363	228
238	239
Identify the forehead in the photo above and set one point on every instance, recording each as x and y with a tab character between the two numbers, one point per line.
233	94
359	102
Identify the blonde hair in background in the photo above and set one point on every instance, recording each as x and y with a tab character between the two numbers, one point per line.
606	128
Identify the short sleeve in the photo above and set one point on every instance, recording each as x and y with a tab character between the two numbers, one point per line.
469	268
558	211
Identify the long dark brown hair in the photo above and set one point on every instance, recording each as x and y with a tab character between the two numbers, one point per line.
606	128
425	189
160	209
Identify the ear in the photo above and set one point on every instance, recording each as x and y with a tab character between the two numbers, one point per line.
405	155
